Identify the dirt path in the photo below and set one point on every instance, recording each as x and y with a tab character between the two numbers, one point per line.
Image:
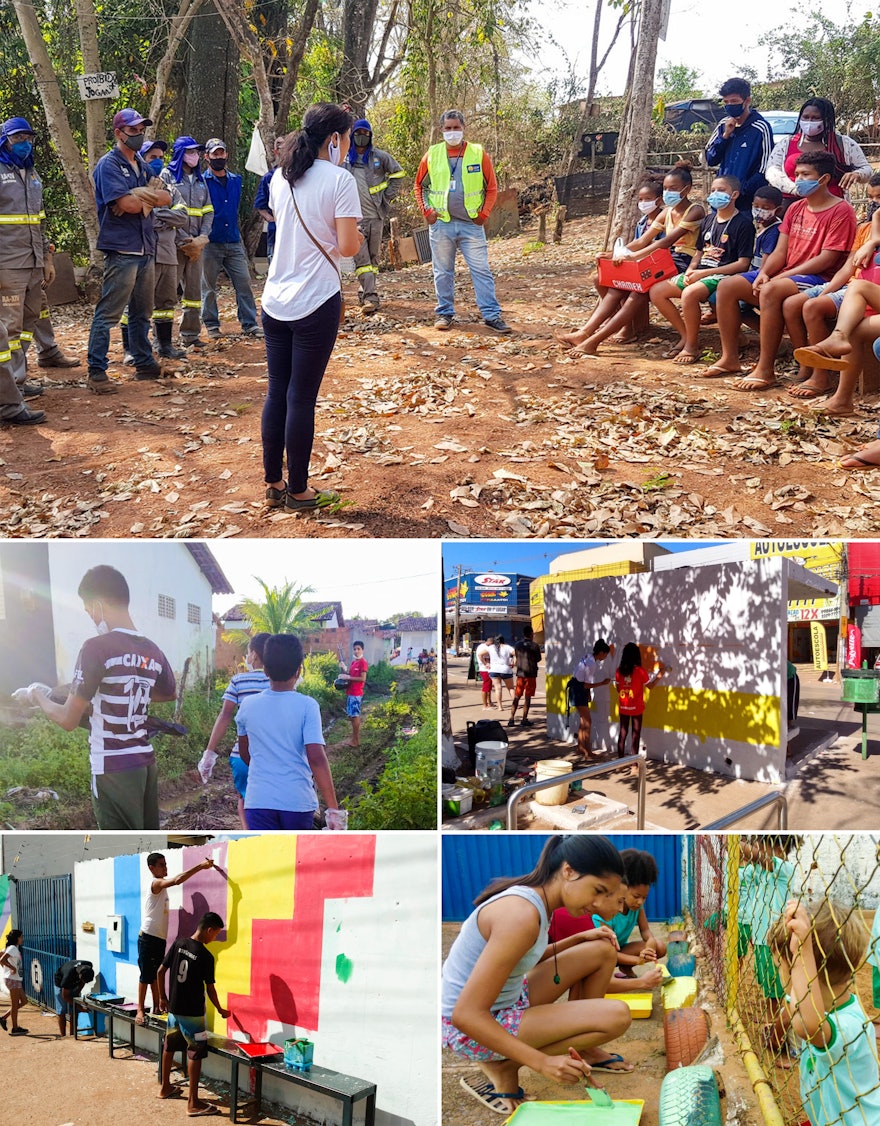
57	1081
436	434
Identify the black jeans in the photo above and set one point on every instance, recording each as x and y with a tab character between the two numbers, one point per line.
297	354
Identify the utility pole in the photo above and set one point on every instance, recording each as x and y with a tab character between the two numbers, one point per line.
456	619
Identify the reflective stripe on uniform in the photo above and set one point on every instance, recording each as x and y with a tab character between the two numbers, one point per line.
5	357
29	220
28	336
14	345
396	175
379	188
190	304
197	212
44	314
123	320
366	270
163	314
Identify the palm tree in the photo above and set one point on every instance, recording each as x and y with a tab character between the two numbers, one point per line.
280	611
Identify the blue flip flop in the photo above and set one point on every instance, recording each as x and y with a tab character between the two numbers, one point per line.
615	1058
484	1092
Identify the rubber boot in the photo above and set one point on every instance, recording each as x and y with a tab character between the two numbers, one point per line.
166	349
128	358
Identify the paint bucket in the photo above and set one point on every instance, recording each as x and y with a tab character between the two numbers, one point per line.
457	800
548	768
298	1054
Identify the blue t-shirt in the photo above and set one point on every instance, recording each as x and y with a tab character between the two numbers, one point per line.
114	177
621	924
279	726
261	203
242	685
765	244
225	192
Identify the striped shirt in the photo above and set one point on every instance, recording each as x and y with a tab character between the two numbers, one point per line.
119	672
242	685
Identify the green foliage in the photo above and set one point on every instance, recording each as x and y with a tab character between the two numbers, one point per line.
281	610
319	672
381	678
406	794
678	82
40	755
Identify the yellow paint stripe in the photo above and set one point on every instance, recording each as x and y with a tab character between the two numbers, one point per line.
705	713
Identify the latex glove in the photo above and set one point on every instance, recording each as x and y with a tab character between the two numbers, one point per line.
48	270
27	695
206	765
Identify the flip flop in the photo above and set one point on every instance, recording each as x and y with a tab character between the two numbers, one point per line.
484	1092
605	1065
861	463
751	383
810	358
799	391
685	358
582	355
831	413
715	372
208	1108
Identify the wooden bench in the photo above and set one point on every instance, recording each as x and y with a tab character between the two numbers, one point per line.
345	1089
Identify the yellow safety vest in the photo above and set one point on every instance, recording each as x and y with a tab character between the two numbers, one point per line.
471	171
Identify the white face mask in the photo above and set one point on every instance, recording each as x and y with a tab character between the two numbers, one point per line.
453	136
811	128
101	626
646	206
334	152
249	662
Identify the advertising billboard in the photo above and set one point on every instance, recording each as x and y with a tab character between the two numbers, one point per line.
483	593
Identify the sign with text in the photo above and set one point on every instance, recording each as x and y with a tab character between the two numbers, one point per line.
100	85
486	591
820	646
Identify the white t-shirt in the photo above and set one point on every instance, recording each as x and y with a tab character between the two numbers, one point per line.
300	277
154	919
499	659
587	670
13	954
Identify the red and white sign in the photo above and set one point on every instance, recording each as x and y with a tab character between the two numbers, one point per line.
496	582
853	647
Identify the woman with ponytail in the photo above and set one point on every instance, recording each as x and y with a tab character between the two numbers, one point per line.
316	208
502	980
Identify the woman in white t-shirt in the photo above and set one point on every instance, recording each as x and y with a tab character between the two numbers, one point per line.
501	661
302	299
10	968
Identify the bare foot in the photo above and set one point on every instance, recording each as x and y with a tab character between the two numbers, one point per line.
585	349
569	339
686	356
624	337
835	345
868	457
839	408
167	1092
141	1017
810	388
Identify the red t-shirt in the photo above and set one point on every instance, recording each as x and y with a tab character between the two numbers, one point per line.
563	924
811	232
631	691
357	668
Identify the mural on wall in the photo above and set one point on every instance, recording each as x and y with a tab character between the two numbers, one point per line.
720	630
5	908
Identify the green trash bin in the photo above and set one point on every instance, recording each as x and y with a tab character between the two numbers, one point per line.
861	686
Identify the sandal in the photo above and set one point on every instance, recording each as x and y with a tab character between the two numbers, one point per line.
275	498
484	1092
811	358
860	462
323	498
753	383
715	372
605	1065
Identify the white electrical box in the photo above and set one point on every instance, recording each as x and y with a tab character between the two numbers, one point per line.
115	933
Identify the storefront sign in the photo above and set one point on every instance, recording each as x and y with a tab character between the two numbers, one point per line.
820	646
853	647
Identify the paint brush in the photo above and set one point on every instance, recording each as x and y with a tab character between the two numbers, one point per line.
596	1094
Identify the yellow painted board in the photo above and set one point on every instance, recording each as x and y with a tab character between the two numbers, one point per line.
741	717
640	1004
680	993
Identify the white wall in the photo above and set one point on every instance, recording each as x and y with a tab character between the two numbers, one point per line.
418	640
151	567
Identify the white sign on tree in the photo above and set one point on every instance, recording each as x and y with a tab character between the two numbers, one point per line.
100	85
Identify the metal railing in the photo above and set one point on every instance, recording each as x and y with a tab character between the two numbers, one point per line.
576	776
778	799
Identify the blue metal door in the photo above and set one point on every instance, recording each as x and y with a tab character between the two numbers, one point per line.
44	912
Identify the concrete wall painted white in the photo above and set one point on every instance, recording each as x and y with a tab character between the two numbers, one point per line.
151	567
716	628
417	640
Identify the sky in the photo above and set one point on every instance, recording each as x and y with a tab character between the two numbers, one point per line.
693	38
525	557
371	578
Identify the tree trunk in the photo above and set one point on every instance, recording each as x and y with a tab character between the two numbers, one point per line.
212	82
96	108
294	59
236	20
635	130
352	82
58	123
180	23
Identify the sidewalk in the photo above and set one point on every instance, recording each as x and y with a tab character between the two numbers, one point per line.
827	789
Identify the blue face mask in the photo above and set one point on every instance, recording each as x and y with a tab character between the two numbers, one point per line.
156	165
736	109
718	200
22	149
671	198
805	187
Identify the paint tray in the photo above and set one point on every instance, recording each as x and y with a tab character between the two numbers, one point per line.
640	1004
625	1112
253	1051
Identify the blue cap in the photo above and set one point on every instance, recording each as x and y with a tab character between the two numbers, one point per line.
128	118
15	125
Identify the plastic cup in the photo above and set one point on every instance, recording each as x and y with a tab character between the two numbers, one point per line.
336	818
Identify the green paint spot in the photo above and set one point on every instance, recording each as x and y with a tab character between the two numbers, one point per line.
338	927
344	966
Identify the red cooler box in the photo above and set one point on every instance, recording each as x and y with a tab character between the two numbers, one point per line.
637	276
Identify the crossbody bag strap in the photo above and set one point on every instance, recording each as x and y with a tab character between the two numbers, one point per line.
311	236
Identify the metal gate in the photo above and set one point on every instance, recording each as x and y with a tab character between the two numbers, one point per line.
44	912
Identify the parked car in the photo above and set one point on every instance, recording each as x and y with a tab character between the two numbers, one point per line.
783	122
681	117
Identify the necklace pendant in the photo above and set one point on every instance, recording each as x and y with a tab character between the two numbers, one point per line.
557	980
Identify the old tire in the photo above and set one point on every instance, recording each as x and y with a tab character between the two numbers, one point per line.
676	947
685	1032
689	1097
681	965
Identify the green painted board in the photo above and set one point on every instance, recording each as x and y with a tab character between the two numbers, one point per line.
623	1113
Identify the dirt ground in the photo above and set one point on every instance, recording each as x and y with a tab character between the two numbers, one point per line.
55	1081
430	434
642	1044
834	789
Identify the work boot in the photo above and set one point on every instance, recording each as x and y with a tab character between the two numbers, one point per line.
166	349
58	361
127	358
148	371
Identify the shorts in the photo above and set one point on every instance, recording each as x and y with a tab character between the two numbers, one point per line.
151	951
239	774
767	974
509	1019
486	681
501	675
11	983
64	1008
192	1030
711	283
353	706
819	291
525	686
807	281
580	695
127	799
287	819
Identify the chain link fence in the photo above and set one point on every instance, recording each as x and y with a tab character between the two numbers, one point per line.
801	988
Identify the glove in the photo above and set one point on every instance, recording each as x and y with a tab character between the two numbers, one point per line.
27	695
206	765
193	247
48	270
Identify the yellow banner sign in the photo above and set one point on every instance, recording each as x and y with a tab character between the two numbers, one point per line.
820	646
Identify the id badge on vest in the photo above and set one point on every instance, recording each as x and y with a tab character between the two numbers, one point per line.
452	184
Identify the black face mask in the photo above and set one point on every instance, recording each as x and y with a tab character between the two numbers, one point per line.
361	139
218	164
